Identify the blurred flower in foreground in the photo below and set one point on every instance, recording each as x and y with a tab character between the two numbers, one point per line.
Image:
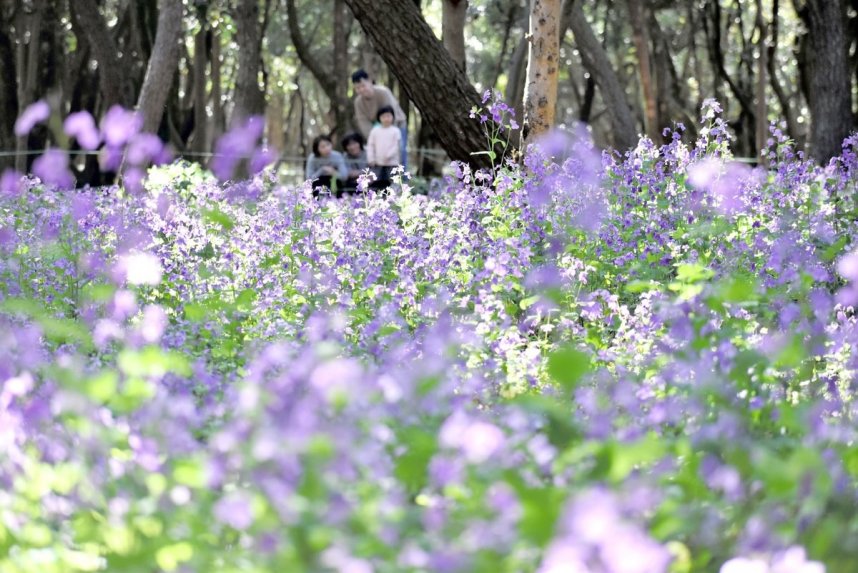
847	267
35	113
138	269
725	182
793	560
81	126
53	169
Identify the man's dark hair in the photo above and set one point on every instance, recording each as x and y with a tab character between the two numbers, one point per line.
359	75
352	137
319	139
385	109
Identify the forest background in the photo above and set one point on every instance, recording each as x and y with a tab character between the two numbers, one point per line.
625	67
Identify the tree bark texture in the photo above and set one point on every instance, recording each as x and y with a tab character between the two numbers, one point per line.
162	65
453	16
343	110
830	93
597	63
90	28
540	94
438	88
249	99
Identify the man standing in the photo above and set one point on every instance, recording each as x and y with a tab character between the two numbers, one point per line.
371	98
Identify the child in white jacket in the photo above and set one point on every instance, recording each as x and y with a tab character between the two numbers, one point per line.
383	147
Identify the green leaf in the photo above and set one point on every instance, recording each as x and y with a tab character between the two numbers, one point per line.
412	466
567	365
171	556
103	386
691	273
528	302
218	217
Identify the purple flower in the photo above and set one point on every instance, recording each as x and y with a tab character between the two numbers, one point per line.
118	126
144	148
81	126
35	113
847	267
11	183
52	167
234	510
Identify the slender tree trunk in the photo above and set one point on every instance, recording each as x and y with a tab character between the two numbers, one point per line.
762	67
162	65
637	11
249	99
780	92
830	96
517	76
512	15
218	116
8	93
28	63
401	41
453	16
540	95
342	106
597	63
201	119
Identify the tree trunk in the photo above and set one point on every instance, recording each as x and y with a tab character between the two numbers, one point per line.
28	64
8	93
637	11
762	67
780	92
249	99
162	64
422	65
333	86
830	96
540	94
218	116
342	106
597	63
453	16
90	28
200	143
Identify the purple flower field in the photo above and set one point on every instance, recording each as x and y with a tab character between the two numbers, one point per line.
585	363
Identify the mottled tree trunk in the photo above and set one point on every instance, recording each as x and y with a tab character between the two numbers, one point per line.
540	94
453	16
423	66
830	94
249	99
162	64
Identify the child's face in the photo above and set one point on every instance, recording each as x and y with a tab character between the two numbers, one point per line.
386	119
325	148
353	148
